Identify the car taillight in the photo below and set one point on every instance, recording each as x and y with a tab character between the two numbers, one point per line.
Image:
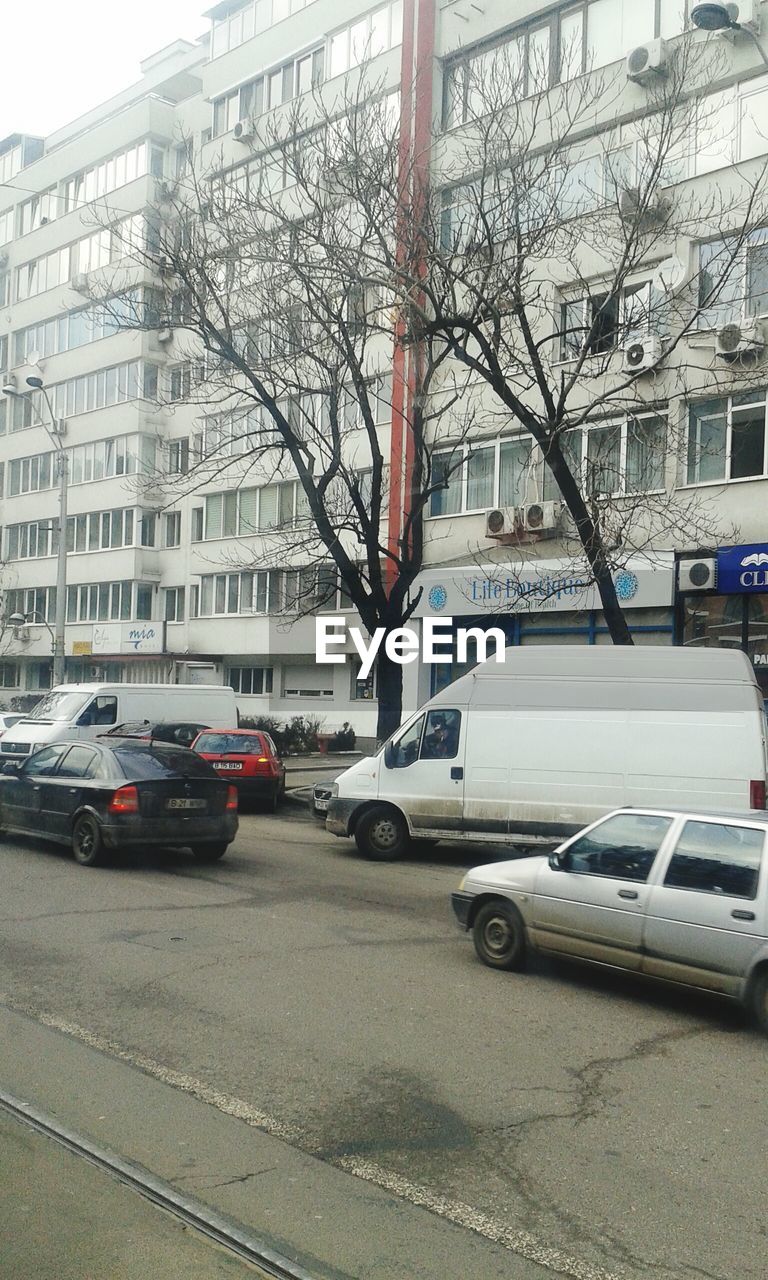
231	797
757	793
124	800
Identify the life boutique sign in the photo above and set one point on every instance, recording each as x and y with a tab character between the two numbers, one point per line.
743	569
548	586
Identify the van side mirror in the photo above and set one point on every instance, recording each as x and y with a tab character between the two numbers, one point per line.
556	861
389	755
11	766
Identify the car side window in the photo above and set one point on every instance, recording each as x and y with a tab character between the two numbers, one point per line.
406	749
102	710
623	847
716	857
43	763
441	737
79	762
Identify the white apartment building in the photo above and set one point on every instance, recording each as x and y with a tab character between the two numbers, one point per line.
153	592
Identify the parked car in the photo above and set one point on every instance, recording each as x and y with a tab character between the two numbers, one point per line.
553	738
183	733
677	895
104	795
84	711
248	758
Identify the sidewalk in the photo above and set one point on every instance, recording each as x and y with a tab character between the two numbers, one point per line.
63	1219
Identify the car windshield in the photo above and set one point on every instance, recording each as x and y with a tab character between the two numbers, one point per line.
230	744
161	762
58	705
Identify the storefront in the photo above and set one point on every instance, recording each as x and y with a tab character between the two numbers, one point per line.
543	602
734	613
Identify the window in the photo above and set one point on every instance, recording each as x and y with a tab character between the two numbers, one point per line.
119	169
104	602
76	328
726	439
178	457
174	604
9	675
474	477
612	458
715	857
35	603
37	211
30	475
172	529
250	680
31	541
314	681
80	762
441	736
405	749
733	279
44	763
266	92
366	38
100	530
6	227
623	847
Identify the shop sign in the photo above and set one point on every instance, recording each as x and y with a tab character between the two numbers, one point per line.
546	587
128	637
742	569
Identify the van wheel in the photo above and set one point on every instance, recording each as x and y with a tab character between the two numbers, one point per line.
86	841
210	852
760	1001
382	833
499	936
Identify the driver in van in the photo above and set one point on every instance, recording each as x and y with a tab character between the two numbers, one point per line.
441	742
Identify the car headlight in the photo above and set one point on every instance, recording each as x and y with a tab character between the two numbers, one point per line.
463	882
334	789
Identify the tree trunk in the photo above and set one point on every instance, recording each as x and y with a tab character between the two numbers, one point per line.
390	685
592	542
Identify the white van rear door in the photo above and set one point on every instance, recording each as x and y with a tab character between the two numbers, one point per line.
423	771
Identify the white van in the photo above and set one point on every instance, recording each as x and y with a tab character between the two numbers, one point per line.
74	711
556	736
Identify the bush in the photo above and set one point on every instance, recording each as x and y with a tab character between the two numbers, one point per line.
269	725
344	739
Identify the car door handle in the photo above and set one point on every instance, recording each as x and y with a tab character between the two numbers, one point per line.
457	773
743	915
627	893
36	786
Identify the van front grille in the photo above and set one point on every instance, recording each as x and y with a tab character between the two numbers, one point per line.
15	748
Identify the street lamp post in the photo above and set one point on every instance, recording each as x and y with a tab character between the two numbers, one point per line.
55	433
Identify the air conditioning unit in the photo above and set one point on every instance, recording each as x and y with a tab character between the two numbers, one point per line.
539	517
164	335
500	522
734	341
631	208
243	131
641	351
80	282
696	575
647	62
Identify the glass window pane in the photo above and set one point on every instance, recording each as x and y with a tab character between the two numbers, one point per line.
754	134
604	459
747	442
571	43
706	442
604	37
714	857
646	439
623	847
638	22
538	60
514	457
446	472
571	444
757	279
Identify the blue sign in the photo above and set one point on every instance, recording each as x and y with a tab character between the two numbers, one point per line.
743	569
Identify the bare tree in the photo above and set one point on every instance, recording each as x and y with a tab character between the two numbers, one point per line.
545	246
334	287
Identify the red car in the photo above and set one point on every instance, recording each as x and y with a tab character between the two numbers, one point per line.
247	757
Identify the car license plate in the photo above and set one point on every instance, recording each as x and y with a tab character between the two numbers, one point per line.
185	804
321	805
227	764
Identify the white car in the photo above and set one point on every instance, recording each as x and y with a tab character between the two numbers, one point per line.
677	895
9	718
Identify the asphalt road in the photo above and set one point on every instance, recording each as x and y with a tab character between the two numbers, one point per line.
566	1122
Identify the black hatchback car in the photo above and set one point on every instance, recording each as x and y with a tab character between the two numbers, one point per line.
114	794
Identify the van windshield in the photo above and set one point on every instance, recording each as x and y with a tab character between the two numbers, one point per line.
59	706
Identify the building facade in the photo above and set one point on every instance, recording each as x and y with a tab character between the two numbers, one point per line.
153	590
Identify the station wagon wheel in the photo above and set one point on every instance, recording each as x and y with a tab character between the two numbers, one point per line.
382	833
760	1000
499	936
210	852
86	841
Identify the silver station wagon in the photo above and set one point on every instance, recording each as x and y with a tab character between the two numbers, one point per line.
681	896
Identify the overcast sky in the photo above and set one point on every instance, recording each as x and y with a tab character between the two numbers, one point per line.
61	57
